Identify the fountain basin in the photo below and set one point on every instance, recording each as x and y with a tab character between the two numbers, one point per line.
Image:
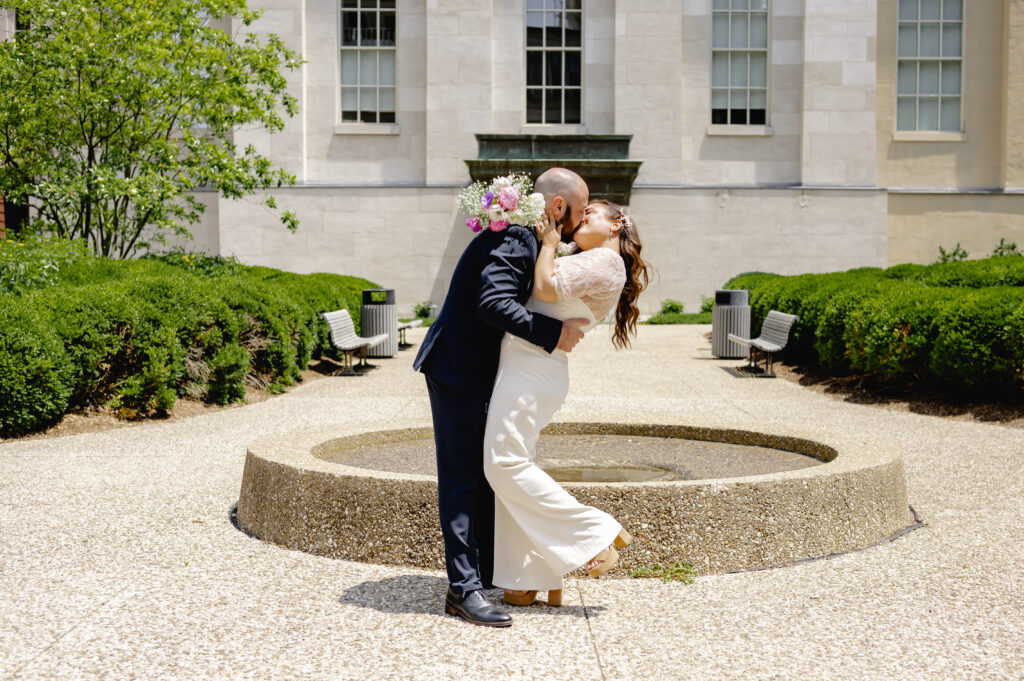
370	496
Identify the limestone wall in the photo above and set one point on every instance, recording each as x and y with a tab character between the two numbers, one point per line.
920	223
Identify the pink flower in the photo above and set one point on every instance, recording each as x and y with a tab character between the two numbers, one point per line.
508	198
474	224
498	225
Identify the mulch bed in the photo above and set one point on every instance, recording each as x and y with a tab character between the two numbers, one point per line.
1005	409
94	419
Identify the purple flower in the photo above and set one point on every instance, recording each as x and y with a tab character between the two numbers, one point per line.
487	199
498	225
474	224
508	198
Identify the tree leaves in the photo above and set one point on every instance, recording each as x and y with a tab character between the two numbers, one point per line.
114	112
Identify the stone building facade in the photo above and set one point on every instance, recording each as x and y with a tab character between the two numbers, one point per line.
780	135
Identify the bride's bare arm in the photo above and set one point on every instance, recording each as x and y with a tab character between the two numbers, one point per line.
544	271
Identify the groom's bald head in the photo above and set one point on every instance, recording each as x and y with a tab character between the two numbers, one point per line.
565	197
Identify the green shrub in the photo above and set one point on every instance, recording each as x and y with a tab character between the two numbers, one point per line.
707	303
36	380
955	255
891	335
1005	249
199	263
137	334
123	348
953	324
228	370
149	388
748	280
36	261
421	310
671	306
975	343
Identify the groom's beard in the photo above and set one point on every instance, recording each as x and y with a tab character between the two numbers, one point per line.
567	227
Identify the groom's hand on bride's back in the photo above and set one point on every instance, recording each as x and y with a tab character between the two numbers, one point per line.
571	333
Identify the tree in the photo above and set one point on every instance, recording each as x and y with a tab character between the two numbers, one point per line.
112	113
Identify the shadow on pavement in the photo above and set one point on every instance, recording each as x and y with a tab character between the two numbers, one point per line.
425	594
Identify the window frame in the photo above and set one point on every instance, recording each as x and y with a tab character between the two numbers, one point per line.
560	125
939	135
359	126
741	129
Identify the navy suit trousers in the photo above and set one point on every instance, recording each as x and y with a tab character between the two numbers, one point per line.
464	498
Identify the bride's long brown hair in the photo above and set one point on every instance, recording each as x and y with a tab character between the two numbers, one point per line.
637	274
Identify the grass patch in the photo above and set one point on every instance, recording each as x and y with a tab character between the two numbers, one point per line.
426	322
680	571
680	318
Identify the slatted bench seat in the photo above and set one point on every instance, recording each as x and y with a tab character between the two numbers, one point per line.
403	326
345	340
774	337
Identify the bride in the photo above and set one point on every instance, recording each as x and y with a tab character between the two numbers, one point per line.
541	531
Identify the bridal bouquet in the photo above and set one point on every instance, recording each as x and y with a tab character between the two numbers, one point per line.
504	201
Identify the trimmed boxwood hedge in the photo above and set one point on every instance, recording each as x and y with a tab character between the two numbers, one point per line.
958	325
138	334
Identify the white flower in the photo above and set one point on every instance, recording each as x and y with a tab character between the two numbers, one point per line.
565	249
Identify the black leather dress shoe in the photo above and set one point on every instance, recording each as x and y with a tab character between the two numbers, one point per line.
475	609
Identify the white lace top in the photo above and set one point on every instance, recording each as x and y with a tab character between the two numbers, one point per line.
596	277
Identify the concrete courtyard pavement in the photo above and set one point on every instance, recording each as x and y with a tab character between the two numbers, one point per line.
118	558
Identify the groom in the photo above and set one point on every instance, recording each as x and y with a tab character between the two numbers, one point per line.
459	357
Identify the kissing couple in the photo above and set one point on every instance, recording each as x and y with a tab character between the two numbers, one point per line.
496	366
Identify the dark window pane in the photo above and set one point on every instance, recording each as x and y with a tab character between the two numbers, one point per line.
553	29
720	116
387	28
350	28
372	4
573	4
553	68
534	29
349	3
368	28
387	116
553	106
534	68
533	106
572	29
739	116
572	68
387	4
757	117
348	116
368	116
572	106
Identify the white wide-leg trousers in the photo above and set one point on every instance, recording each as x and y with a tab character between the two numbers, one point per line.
540	531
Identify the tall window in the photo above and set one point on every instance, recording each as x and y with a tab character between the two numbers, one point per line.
554	60
929	65
367	33
739	62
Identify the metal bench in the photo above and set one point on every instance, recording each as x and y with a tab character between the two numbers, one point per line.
345	340
402	326
773	339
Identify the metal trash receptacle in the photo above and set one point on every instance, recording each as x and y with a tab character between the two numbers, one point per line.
380	315
731	314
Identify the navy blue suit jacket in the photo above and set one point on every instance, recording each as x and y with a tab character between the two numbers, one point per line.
489	287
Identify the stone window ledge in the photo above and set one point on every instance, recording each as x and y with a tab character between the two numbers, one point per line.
927	136
739	130
552	129
367	129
